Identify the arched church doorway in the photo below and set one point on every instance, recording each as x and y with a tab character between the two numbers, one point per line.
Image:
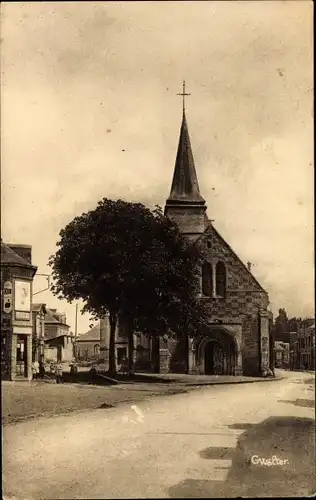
214	358
217	354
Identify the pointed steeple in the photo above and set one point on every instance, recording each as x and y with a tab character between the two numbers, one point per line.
185	186
185	205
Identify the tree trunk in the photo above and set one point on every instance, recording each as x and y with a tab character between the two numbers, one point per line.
187	352
155	366
130	350
112	362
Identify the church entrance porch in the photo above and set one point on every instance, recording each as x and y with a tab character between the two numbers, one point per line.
214	359
217	354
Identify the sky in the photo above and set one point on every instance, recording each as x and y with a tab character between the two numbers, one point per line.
90	110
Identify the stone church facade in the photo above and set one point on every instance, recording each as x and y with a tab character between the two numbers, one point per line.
238	340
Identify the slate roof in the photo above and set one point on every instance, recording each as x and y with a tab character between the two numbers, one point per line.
8	256
90	336
50	317
185	186
38	307
47	339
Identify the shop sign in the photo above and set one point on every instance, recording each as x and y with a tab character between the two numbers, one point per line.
21	315
22	296
7	297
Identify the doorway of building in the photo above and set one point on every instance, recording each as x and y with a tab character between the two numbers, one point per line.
121	355
21	356
214	358
4	357
59	354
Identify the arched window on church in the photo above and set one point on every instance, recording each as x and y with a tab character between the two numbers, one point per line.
220	279
207	279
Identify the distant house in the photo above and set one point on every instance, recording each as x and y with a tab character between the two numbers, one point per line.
88	344
88	347
282	354
55	324
294	351
58	340
306	344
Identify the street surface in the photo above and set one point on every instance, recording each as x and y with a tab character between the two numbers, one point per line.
178	446
21	401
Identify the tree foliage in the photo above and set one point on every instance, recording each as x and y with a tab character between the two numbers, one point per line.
281	329
131	262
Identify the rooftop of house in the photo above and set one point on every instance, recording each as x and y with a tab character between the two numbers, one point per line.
49	338
91	335
281	346
52	316
9	256
37	307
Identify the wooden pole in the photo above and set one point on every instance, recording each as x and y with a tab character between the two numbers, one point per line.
76	332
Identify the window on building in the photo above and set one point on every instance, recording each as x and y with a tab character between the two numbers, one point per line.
96	349
207	279
220	279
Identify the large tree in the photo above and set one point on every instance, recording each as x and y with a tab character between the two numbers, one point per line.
281	327
133	263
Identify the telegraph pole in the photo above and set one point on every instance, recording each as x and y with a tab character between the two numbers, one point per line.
40	349
76	322
76	332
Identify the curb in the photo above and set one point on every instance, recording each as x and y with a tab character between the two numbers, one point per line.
275	379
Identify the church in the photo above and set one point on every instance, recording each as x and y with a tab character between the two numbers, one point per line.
238	342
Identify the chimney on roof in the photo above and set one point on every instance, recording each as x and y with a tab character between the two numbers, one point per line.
249	265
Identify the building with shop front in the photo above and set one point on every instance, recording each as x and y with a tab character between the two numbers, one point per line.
17	273
239	320
294	351
306	345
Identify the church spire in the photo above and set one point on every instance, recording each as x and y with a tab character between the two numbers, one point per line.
185	186
185	205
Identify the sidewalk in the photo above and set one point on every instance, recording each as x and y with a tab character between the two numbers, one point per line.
198	380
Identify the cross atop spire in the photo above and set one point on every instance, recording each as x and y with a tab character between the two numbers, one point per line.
183	95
